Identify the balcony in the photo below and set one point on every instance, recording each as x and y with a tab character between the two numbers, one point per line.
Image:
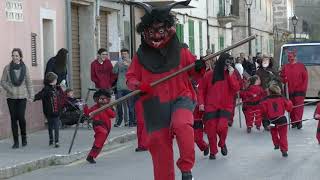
228	15
156	3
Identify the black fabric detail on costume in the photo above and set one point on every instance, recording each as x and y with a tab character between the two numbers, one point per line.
96	123
160	60
157	115
265	122
279	121
216	114
318	130
198	125
251	103
298	93
272	97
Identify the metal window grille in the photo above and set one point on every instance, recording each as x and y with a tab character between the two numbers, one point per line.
34	49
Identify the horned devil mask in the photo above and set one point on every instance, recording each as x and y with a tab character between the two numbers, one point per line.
157	25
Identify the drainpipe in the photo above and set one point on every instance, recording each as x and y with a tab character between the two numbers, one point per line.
98	23
69	42
132	31
208	36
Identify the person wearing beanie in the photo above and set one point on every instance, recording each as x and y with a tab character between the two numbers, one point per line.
274	107
101	123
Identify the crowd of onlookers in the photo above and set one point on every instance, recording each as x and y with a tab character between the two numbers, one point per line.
60	107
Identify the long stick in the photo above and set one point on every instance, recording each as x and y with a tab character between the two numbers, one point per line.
75	133
288	97
136	92
273	125
239	109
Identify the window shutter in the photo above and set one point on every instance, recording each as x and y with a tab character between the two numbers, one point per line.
191	35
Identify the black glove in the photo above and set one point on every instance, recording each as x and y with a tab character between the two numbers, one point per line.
199	65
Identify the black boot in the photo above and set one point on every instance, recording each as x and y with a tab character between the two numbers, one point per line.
24	140
299	125
212	157
224	150
248	130
139	149
91	160
15	143
276	147
187	176
284	154
206	152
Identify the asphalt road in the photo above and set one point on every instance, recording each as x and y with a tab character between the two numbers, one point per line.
251	157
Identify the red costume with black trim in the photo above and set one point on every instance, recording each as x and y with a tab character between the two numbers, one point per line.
274	107
216	92
101	123
166	109
251	105
296	75
317	111
198	129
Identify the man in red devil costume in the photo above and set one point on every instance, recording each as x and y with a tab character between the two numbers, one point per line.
167	108
296	75
216	97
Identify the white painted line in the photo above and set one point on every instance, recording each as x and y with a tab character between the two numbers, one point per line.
102	154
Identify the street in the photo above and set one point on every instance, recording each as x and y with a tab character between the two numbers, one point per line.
251	157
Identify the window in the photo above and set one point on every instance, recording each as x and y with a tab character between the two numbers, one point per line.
221	42
213	48
266	4
271	46
221	8
256	45
200	38
191	35
180	32
34	49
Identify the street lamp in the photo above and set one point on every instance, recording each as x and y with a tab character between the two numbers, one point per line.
249	3
294	20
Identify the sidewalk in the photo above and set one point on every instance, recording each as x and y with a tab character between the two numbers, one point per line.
38	154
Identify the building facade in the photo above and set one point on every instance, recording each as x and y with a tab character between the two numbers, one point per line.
261	25
37	27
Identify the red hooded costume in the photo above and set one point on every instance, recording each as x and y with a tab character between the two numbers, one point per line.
166	110
296	75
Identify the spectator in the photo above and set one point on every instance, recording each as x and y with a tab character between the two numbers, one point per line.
101	71
58	65
122	89
16	82
248	65
239	67
51	96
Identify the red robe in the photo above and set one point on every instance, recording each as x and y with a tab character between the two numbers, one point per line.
274	107
218	100
251	105
296	76
167	111
198	129
101	126
317	111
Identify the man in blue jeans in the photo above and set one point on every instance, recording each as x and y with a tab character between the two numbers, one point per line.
127	107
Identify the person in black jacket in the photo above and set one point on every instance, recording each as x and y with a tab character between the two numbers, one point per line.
51	96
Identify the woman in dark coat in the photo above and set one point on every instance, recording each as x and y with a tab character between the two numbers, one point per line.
58	65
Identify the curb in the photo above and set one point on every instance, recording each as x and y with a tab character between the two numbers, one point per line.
61	159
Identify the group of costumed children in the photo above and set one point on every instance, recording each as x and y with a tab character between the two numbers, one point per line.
173	109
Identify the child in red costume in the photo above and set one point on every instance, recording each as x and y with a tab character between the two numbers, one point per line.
216	98
274	107
167	108
317	117
198	127
296	75
101	123
251	103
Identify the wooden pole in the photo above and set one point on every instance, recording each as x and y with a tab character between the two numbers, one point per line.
136	92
